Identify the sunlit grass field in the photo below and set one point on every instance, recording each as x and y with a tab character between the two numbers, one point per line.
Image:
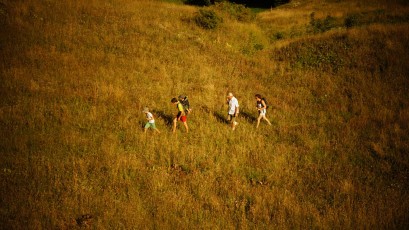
75	76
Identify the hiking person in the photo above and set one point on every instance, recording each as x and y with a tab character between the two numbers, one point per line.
181	116
233	111
261	106
151	120
185	103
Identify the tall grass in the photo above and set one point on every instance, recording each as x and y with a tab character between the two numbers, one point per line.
76	75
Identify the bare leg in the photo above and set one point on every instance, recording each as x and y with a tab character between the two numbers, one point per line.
157	130
187	127
175	121
258	120
234	124
265	118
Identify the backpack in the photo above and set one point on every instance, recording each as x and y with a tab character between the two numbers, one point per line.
265	101
185	103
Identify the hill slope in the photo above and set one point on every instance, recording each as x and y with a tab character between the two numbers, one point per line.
75	77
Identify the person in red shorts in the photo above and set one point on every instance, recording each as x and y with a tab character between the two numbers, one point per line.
181	116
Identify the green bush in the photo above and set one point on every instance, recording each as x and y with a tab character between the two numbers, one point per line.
351	20
258	46
266	4
322	25
252	44
237	11
278	36
207	19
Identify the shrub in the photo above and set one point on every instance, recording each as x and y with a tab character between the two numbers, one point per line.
278	36
249	3
208	19
263	4
319	26
258	46
198	2
253	43
237	11
351	20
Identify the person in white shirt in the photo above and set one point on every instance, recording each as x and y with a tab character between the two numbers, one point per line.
151	120
233	111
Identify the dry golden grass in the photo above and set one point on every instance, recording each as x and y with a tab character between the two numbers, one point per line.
75	76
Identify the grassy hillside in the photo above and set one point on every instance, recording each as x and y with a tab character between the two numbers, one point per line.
75	76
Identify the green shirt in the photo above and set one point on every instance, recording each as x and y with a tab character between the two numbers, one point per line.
180	107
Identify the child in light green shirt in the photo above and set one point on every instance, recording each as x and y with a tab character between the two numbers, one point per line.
151	120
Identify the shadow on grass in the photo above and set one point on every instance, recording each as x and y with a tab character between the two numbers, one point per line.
142	124
248	116
204	109
220	117
166	117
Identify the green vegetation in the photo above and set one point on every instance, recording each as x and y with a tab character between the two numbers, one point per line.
208	19
236	11
319	26
75	76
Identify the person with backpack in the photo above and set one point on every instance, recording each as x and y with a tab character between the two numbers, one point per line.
233	111
261	105
181	116
185	103
151	120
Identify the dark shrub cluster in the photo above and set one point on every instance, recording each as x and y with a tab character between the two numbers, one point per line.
198	2
237	11
207	19
351	20
248	3
202	2
322	25
262	3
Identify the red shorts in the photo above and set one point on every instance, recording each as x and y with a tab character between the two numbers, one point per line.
183	118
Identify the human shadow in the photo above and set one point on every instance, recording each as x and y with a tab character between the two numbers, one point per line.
166	117
248	116
204	109
220	117
142	124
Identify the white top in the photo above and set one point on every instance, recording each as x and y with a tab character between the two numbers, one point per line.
150	117
233	103
260	105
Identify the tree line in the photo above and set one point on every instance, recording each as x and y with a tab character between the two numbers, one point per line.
247	3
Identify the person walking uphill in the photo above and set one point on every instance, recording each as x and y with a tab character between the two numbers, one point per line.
181	116
151	120
233	111
262	109
185	103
